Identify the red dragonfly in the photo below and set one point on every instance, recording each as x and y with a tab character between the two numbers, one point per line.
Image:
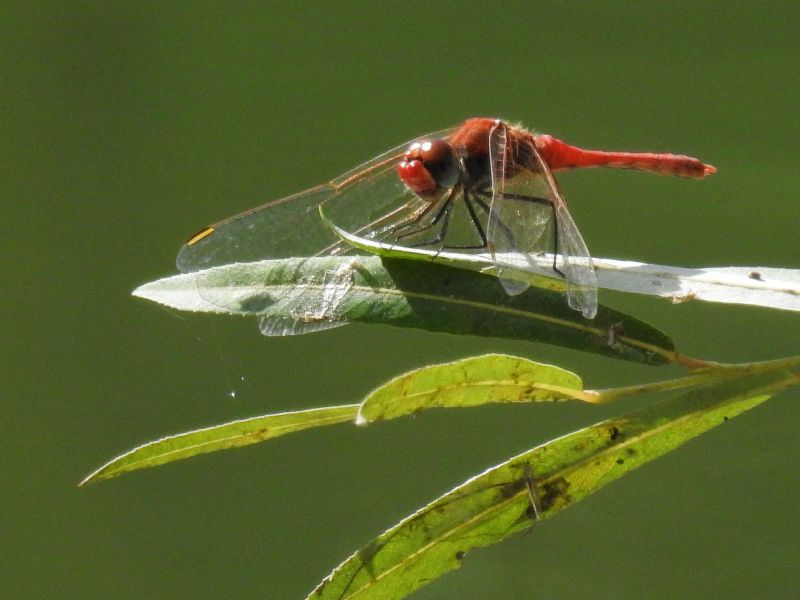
485	185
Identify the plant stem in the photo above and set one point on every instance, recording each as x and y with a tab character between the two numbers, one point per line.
710	372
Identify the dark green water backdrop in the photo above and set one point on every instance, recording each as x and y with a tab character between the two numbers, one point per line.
127	126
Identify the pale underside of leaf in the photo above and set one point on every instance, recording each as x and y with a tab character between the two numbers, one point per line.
757	286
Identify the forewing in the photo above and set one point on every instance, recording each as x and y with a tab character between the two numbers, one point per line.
287	227
368	201
291	226
363	199
372	202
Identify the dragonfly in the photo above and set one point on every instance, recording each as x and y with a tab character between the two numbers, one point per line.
484	186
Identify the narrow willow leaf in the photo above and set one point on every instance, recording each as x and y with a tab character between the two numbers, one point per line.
498	503
757	286
291	294
470	382
220	437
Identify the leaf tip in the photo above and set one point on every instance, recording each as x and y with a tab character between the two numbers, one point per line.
90	478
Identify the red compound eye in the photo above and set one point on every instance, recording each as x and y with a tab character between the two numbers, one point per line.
427	166
416	177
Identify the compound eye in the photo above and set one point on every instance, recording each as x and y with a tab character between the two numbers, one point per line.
440	161
428	166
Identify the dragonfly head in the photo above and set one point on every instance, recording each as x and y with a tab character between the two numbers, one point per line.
428	166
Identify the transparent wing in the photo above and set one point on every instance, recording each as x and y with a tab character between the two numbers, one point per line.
522	207
577	266
367	199
306	312
529	216
287	227
372	202
576	262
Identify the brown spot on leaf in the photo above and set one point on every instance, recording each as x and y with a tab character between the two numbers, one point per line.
552	491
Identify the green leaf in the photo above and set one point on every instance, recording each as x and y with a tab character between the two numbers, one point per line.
470	382
300	295
498	503
220	437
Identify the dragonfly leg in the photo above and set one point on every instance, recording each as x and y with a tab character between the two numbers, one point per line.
411	222
414	220
487	209
478	227
476	224
443	215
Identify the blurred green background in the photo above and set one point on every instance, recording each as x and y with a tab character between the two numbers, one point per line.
127	126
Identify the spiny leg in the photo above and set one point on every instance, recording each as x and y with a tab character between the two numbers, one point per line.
487	209
442	215
475	223
416	218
